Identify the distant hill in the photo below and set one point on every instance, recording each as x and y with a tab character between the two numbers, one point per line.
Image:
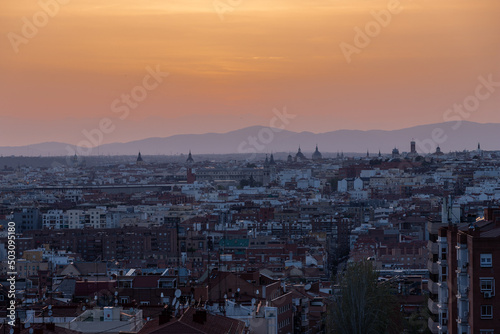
466	136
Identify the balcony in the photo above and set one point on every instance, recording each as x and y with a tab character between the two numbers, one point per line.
432	267
433	247
433	306
433	326
433	287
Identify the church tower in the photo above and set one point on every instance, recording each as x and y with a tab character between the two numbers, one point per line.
139	160
191	177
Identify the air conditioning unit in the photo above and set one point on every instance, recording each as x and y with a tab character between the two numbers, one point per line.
487	295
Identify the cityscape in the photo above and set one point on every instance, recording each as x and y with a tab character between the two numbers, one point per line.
249	167
250	246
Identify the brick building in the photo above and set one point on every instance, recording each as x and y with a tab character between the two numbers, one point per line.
471	253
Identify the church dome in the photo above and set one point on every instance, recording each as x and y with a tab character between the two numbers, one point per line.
317	155
300	156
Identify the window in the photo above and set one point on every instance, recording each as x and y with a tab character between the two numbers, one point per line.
444	273
487	284
486	260
487	331
486	312
443	253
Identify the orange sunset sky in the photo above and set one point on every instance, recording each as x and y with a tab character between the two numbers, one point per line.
231	72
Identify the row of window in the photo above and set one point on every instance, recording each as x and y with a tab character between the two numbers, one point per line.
284	323
283	308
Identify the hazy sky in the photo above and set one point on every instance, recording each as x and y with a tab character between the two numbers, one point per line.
230	70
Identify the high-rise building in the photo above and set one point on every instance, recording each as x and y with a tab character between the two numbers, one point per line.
463	301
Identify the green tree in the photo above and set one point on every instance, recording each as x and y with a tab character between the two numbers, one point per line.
416	323
363	305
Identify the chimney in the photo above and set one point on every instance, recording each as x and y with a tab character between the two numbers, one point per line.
165	316
200	316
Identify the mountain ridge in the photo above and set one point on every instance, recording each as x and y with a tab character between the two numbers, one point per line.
262	139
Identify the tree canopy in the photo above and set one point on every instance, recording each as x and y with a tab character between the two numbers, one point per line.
363	305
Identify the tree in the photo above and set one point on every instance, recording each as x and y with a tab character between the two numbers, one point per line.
416	323
363	305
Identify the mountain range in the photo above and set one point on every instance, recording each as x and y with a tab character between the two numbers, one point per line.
450	136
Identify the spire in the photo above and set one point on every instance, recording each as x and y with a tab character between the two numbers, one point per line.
367	153
266	162
479	146
271	161
189	158
139	157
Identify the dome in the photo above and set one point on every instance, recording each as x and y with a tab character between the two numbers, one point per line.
317	155
300	156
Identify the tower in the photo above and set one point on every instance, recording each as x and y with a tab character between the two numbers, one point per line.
272	169
413	147
139	160
191	177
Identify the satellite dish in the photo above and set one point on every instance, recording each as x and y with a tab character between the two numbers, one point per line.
11	331
84	308
50	312
225	296
238	289
253	301
178	293
162	295
116	293
257	292
50	306
307	287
